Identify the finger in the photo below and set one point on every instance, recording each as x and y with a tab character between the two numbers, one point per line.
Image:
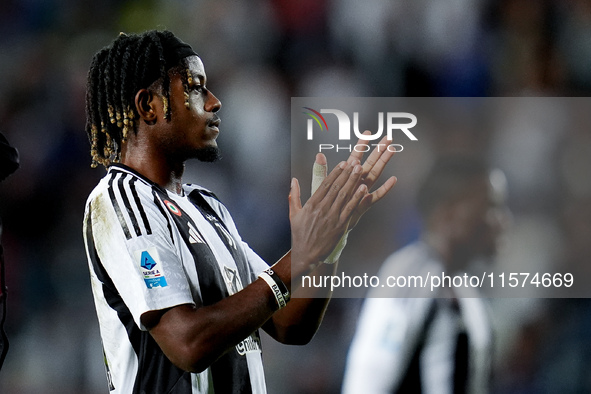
378	167
349	179
327	183
321	159
371	199
295	202
376	162
357	154
379	193
319	171
379	150
353	203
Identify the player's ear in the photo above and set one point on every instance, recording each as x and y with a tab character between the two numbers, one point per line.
145	106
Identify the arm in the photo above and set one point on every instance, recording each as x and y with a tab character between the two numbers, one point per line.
297	323
192	338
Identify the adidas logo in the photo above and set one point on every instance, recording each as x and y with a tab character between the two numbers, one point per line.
194	236
226	234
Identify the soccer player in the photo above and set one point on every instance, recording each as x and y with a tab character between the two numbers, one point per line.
410	341
179	296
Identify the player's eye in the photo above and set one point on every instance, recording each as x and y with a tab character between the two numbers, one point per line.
198	88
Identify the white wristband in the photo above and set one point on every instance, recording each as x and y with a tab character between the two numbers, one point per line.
277	286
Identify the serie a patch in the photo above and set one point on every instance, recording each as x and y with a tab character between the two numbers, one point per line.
151	267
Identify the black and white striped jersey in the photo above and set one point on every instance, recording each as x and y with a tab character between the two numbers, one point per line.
149	249
407	342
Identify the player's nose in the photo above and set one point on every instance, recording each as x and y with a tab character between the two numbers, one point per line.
213	104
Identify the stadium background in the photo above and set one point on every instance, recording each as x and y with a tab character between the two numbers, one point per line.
257	55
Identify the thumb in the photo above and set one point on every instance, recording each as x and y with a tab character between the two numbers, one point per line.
295	202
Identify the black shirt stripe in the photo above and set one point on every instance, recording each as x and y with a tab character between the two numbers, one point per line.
139	205
128	207
118	209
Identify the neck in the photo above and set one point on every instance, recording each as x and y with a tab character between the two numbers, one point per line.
165	172
174	182
451	258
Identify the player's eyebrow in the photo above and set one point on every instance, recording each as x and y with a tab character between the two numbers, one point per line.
201	78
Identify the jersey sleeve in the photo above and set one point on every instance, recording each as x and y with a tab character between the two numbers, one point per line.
135	249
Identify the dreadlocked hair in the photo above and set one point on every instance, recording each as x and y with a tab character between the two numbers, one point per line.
116	73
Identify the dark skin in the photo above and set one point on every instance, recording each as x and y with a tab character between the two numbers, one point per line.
468	227
194	337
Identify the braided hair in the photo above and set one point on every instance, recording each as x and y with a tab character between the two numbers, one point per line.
130	63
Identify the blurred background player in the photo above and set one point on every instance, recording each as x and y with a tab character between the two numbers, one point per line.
438	343
8	164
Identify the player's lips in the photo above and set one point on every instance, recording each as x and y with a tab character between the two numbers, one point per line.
214	123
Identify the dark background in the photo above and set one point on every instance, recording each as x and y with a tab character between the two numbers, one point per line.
258	54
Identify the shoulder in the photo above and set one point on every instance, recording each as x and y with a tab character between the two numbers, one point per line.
189	188
123	187
125	197
414	258
407	272
196	192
